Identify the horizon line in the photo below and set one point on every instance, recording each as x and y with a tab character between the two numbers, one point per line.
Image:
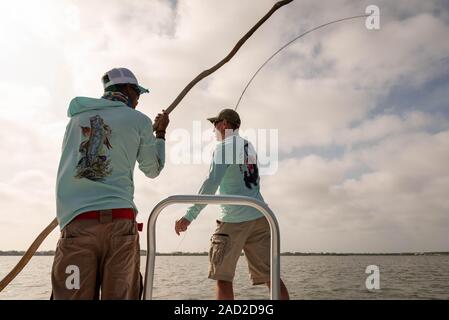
285	253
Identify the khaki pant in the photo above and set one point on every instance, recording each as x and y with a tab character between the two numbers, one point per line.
103	258
227	243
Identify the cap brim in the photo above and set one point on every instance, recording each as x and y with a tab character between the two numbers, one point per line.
213	120
143	90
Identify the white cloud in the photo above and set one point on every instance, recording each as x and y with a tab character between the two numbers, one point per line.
387	125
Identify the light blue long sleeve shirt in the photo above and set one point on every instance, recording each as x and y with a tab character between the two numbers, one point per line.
234	172
103	141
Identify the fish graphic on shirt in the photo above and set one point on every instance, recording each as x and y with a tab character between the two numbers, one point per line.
94	163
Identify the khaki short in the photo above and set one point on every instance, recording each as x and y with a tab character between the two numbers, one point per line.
227	243
107	256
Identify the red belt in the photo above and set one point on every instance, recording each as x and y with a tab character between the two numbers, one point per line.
109	215
115	213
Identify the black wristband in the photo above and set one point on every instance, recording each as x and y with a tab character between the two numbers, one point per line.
160	135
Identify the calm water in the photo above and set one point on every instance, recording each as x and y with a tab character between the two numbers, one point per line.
414	277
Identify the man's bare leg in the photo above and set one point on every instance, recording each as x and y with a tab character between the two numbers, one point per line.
284	291
224	290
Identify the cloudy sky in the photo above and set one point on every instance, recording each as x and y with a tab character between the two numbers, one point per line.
362	115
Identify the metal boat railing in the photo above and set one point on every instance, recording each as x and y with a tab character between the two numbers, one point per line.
212	199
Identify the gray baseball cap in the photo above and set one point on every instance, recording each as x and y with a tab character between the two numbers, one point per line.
228	115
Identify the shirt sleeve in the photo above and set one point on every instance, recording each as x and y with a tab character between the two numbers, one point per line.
66	134
209	186
151	153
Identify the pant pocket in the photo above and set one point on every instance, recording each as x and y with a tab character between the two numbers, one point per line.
125	228
219	245
74	270
121	276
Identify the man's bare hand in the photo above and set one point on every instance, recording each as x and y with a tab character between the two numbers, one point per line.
161	121
181	225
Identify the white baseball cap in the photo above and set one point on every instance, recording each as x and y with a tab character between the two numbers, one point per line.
121	76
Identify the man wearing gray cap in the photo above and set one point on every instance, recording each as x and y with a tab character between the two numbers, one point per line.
234	169
98	253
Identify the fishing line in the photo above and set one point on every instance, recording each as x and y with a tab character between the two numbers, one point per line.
180	242
289	43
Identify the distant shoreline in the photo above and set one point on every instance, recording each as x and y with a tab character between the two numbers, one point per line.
300	254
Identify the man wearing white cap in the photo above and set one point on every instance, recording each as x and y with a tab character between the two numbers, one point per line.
98	253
